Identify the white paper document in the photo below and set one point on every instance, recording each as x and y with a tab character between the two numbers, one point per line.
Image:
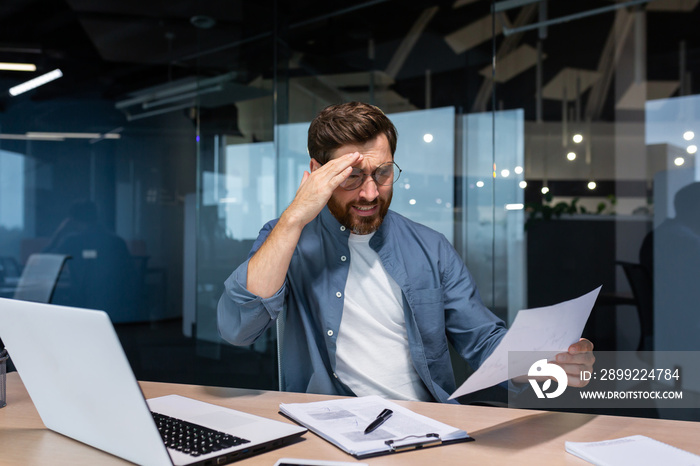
342	422
636	449
550	330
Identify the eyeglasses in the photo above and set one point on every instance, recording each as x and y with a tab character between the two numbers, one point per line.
385	174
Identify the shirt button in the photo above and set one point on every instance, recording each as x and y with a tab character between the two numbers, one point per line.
339	294
343	258
330	333
342	228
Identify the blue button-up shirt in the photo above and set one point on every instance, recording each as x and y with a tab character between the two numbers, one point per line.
440	300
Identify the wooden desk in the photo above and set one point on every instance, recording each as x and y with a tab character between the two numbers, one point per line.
503	436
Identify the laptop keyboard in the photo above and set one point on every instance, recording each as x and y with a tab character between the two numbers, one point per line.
193	439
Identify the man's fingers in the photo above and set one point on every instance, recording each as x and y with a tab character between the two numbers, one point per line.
581	346
579	358
337	170
317	186
336	180
337	166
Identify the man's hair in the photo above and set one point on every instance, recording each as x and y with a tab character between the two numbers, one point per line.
348	123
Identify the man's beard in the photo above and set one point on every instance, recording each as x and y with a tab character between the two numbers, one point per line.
358	224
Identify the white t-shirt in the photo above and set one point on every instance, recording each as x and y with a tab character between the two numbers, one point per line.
372	354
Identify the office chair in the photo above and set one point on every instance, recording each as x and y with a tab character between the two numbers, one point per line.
38	282
642	286
39	277
9	268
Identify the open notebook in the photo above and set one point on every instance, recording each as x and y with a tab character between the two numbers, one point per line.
74	368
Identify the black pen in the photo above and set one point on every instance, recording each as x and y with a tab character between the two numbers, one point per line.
383	416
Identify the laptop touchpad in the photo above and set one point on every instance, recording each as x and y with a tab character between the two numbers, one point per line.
222	421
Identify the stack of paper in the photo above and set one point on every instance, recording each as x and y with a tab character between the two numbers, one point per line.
637	449
342	422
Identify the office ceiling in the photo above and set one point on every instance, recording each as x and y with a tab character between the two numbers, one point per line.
116	49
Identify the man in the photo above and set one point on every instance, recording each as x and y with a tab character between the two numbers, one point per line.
371	298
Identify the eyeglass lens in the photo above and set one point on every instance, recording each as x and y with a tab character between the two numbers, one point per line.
384	175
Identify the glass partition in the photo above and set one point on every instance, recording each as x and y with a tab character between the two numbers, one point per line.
553	143
607	95
493	225
672	252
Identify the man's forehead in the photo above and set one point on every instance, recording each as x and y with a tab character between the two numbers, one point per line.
348	148
377	148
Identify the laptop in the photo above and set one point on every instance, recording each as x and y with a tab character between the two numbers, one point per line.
75	370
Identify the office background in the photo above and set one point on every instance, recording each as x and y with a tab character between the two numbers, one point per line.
546	141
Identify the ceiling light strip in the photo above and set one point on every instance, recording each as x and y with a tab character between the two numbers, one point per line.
38	135
24	137
41	136
36	82
17	66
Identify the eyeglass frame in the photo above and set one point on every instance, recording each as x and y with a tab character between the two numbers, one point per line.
373	175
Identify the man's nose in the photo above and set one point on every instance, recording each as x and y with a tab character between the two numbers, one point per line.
369	189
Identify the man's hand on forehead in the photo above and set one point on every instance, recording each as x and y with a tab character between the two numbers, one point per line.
336	155
335	168
317	187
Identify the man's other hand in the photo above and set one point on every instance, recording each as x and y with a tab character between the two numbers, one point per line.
579	357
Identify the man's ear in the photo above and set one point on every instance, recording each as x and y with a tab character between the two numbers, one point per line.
314	165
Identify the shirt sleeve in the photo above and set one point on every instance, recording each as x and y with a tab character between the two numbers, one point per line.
472	328
241	315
